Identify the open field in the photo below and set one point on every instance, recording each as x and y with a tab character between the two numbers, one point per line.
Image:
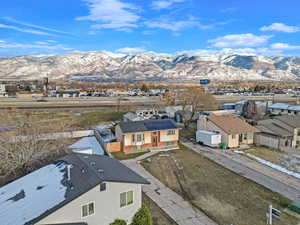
158	215
223	195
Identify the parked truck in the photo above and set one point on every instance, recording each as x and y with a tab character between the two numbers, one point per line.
209	138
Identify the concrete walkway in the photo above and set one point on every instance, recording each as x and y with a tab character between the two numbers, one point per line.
169	201
261	174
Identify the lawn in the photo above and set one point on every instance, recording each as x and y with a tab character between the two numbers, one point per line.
273	156
223	195
158	215
123	156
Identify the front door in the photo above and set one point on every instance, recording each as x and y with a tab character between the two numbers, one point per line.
155	138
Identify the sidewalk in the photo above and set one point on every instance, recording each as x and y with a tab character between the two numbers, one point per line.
169	201
274	180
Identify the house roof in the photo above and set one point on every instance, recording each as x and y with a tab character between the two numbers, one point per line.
285	106
231	124
147	125
88	143
47	189
290	120
272	126
68	224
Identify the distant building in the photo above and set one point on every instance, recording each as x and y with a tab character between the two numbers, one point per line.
284	109
147	135
77	189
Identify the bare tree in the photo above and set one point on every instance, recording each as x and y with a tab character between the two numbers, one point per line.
23	150
194	100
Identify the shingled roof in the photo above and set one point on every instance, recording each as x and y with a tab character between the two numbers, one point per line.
147	125
231	124
38	194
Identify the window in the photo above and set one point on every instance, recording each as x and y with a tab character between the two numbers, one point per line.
169	143
233	136
138	137
88	209
298	132
171	132
126	198
245	136
102	186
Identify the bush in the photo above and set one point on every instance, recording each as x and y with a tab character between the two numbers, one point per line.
142	217
119	222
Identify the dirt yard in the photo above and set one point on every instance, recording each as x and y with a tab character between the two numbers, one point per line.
223	195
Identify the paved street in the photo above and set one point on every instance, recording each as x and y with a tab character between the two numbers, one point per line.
263	175
169	201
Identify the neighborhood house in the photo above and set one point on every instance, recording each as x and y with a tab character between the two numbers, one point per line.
234	131
77	189
147	135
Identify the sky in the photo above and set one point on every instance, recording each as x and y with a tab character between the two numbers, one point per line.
263	27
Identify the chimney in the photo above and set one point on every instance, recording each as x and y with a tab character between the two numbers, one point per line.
69	167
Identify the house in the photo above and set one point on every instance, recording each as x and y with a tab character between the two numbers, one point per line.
76	189
88	145
284	109
147	135
234	130
273	134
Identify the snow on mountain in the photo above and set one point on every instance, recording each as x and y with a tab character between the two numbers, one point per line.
150	66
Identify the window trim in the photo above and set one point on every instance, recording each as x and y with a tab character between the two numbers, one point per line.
87	204
127	205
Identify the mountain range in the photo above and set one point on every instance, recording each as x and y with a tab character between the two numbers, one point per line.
150	66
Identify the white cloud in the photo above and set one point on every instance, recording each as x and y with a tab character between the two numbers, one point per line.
239	40
164	4
41	43
111	14
242	51
4	26
284	46
280	27
35	26
175	26
130	50
1	41
34	46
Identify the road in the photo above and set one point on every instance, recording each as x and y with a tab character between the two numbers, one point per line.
263	175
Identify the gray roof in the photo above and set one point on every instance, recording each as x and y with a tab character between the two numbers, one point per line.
147	125
45	190
290	120
272	126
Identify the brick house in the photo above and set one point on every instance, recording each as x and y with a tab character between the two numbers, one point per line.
139	136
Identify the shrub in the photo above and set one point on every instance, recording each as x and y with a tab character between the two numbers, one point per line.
142	217
119	222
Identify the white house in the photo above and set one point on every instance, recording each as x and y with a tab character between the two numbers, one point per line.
284	109
77	189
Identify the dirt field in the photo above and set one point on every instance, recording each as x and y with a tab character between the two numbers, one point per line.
158	215
223	195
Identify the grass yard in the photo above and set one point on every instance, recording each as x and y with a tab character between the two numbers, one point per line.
123	156
223	195
273	156
158	215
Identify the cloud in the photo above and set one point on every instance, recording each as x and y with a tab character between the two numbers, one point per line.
111	14
1	41
242	51
284	46
280	27
35	26
130	50
239	40
37	32
164	4
175	26
34	46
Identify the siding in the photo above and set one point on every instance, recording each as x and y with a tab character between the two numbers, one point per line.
107	206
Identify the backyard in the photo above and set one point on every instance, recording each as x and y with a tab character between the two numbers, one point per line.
223	195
